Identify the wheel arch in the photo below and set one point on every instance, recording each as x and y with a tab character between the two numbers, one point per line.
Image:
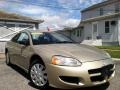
36	57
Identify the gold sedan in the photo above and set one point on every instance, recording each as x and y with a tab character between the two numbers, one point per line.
52	59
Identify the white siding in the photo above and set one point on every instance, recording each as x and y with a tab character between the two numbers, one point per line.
113	37
88	31
119	30
106	37
89	14
107	9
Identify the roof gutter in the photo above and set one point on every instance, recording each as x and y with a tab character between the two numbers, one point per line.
21	20
101	18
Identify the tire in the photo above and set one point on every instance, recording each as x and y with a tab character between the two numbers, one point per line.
8	59
38	75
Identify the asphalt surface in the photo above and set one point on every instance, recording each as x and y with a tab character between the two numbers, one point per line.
14	78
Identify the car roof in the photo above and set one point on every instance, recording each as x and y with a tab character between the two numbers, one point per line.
36	31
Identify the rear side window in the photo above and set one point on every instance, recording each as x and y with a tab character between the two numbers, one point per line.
15	38
22	37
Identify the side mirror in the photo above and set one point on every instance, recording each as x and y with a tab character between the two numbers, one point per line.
24	42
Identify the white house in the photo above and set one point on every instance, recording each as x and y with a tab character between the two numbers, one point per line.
10	24
101	24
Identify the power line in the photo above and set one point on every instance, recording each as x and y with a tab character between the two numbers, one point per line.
42	4
52	6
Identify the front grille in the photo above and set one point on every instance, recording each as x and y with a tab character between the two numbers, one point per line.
100	74
67	79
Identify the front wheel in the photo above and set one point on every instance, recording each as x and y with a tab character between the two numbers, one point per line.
38	75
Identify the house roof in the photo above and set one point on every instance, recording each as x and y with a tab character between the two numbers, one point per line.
99	5
116	15
4	16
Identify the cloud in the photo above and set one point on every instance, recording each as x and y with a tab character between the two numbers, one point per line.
33	10
81	1
95	1
3	4
79	4
69	3
72	22
54	18
57	22
91	2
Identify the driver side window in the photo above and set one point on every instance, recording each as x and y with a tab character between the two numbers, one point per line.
23	37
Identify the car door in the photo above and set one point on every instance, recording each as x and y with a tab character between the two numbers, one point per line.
22	50
13	48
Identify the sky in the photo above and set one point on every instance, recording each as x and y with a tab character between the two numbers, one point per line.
57	14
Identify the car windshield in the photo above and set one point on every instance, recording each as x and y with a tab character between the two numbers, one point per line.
49	38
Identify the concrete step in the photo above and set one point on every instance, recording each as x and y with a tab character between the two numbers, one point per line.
93	42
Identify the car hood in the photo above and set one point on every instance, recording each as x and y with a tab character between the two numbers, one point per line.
81	52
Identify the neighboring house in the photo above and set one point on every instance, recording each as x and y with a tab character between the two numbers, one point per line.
77	34
10	24
73	33
101	23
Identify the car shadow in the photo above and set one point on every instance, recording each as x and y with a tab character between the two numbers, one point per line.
24	74
100	87
20	71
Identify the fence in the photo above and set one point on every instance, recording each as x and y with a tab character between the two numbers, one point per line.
2	46
6	33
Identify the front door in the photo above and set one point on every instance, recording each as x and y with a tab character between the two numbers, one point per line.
21	48
94	31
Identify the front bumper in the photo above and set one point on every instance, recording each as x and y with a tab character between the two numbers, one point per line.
89	74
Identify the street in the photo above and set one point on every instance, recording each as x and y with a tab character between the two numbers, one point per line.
14	78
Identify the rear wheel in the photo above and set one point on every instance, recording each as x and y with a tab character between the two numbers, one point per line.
38	75
8	59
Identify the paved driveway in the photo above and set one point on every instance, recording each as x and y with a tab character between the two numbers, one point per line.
13	78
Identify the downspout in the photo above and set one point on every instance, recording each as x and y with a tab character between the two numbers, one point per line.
118	30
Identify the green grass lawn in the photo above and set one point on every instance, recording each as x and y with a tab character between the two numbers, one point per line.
114	51
109	47
114	54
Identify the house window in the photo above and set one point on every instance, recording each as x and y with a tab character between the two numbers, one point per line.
78	33
101	11
74	32
10	25
107	26
26	26
117	8
95	28
81	33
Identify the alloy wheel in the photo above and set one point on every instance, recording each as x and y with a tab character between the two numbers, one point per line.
38	75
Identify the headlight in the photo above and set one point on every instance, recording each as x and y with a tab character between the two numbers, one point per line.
108	55
65	61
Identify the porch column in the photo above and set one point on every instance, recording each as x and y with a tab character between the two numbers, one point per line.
119	30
